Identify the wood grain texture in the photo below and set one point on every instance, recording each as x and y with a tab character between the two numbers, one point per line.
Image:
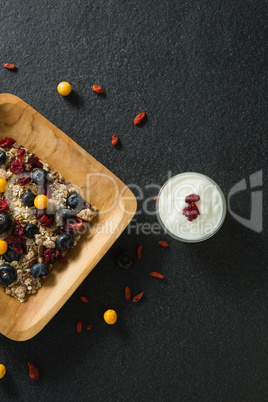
114	200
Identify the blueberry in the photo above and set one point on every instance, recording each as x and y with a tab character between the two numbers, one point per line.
124	259
40	269
3	157
31	230
5	222
75	201
28	199
64	241
8	274
39	176
66	213
11	255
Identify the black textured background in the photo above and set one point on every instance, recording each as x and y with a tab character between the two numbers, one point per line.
198	69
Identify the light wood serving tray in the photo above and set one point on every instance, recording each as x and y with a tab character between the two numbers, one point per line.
115	201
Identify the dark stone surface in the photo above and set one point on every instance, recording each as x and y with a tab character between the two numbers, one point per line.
198	69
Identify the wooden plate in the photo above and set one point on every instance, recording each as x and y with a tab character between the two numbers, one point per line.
115	201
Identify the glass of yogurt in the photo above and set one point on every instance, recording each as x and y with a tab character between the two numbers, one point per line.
190	207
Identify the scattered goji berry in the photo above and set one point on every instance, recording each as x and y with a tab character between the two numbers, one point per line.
115	139
138	119
10	66
97	88
137	297
89	327
155	198
163	243
157	275
127	292
33	371
79	326
83	299
139	252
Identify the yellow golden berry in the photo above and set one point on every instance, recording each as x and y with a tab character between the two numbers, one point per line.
3	185
41	202
3	247
110	317
64	88
2	370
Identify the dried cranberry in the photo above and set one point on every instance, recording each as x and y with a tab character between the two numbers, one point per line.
6	142
24	179
75	224
46	190
16	167
18	230
49	256
192	198
38	213
17	244
191	212
4	205
46	221
34	161
66	228
20	153
59	257
52	255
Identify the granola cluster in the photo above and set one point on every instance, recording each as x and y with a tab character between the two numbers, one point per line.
34	236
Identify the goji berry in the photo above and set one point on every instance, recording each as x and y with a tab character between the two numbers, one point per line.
138	119
83	299
97	88
127	292
157	275
89	327
33	371
137	297
163	243
115	139
79	326
139	252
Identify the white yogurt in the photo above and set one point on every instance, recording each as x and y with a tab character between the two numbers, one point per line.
171	202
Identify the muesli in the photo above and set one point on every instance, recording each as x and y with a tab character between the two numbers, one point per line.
41	219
